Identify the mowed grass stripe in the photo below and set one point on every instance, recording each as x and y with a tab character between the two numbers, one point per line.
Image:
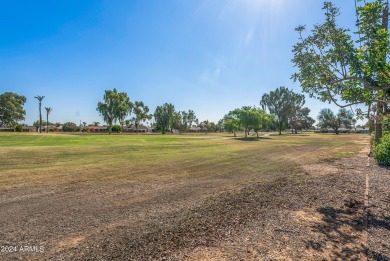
68	158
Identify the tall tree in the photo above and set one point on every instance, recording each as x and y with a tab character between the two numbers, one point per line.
164	117
283	103
40	98
11	108
301	120
48	111
141	112
191	118
336	67
116	106
327	119
182	120
230	123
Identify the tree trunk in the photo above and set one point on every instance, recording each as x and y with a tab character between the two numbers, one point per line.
280	128
337	131
47	122
40	117
246	133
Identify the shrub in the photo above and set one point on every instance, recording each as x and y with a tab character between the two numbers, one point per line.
116	128
382	151
324	130
19	128
69	127
357	131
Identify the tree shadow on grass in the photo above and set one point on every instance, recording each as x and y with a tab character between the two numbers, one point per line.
253	138
341	229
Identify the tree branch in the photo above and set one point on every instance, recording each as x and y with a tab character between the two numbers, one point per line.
365	83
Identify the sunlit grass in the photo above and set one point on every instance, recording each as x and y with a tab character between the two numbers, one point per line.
60	159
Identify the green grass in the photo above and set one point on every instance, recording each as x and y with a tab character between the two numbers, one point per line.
59	159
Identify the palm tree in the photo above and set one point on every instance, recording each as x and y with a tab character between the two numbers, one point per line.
48	110
40	98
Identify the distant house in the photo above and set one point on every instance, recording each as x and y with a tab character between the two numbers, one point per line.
99	129
141	129
195	129
29	129
6	129
25	129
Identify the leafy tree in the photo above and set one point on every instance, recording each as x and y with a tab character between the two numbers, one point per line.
327	119
69	127
19	128
40	98
334	67
191	118
301	120
248	118
116	128
95	123
115	107
141	113
48	111
164	117
283	103
230	123
11	108
251	118
208	126
182	120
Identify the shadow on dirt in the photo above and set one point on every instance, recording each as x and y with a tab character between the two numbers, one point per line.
342	228
336	227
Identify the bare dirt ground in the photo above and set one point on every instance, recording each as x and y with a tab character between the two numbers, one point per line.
316	214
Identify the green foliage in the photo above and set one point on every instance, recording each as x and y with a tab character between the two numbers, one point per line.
18	128
115	107
333	64
386	123
40	98
283	103
324	130
116	128
164	116
301	120
141	113
69	127
382	151
247	118
208	126
327	119
11	108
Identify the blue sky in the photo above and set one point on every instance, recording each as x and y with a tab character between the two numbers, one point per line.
210	56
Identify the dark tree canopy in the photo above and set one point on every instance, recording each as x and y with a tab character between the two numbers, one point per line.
164	117
115	107
11	109
283	103
327	119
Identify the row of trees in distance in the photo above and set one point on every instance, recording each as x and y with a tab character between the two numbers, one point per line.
280	109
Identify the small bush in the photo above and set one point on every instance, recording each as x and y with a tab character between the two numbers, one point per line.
382	151
116	128
69	127
324	130
19	128
357	131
